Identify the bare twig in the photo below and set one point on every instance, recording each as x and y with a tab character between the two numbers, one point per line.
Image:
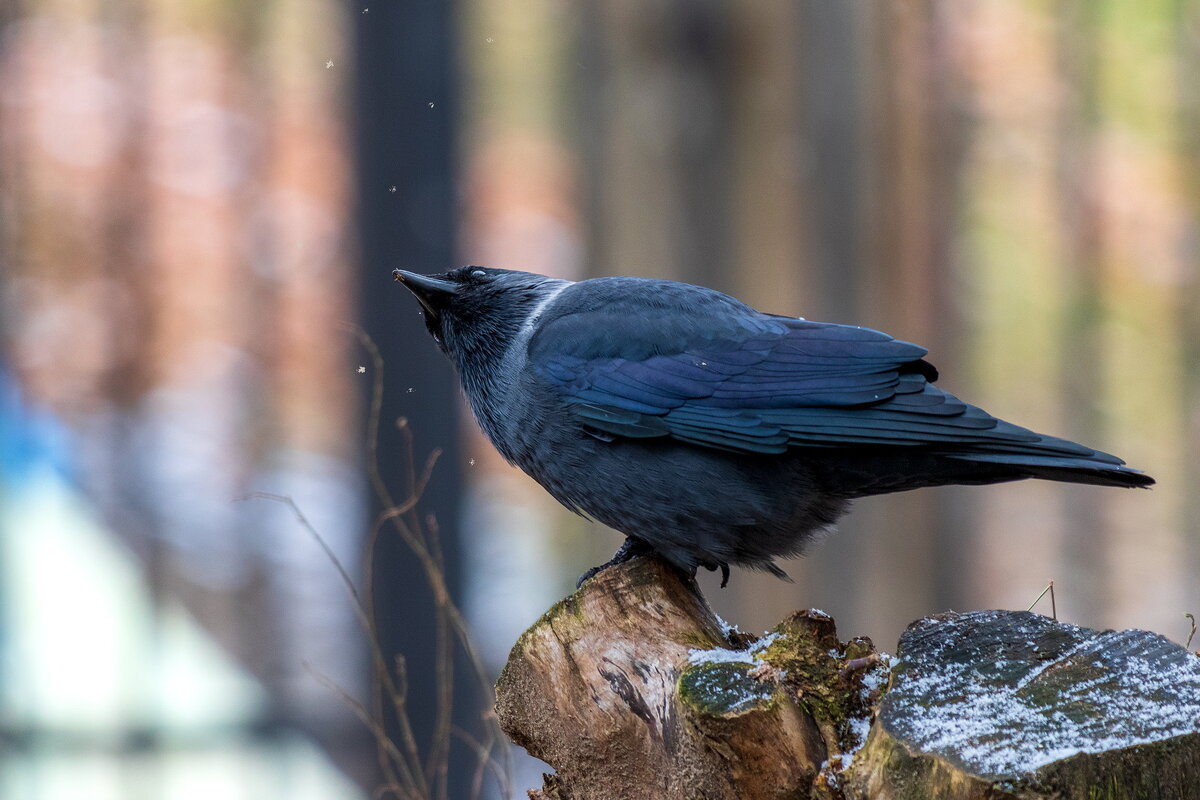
486	763
406	775
376	727
1053	605
410	768
1191	633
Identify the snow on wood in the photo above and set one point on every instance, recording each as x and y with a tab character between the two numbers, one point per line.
1016	704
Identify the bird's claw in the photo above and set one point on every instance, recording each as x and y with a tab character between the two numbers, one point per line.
719	565
631	549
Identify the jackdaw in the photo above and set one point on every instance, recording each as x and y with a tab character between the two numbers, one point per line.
704	430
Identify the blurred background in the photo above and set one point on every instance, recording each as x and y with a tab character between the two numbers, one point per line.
200	205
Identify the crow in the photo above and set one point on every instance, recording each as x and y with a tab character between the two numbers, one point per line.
704	430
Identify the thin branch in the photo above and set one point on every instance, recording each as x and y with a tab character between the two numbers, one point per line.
366	619
406	777
372	724
486	763
312	531
1053	605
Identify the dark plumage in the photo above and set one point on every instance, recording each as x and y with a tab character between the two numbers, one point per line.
708	431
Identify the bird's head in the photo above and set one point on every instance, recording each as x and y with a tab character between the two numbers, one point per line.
472	311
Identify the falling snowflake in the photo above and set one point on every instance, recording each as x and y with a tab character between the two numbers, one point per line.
431	105
361	370
471	461
490	40
365	10
329	65
392	188
410	390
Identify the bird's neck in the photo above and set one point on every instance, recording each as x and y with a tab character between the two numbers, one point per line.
491	360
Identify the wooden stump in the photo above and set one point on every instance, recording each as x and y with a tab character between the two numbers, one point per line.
633	688
1003	704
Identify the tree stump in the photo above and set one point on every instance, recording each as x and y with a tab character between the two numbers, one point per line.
632	688
1003	704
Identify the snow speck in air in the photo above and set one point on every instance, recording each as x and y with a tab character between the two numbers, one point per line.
329	64
490	40
365	10
431	105
392	188
471	461
361	370
410	390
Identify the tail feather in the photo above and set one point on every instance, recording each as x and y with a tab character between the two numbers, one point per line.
1099	470
860	473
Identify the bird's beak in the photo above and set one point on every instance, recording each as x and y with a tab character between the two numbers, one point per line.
431	292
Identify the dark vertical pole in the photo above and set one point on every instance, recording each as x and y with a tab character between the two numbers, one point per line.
405	134
699	42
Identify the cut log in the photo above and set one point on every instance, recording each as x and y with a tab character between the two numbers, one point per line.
633	688
1001	704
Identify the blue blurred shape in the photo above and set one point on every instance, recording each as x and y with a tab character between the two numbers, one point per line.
31	439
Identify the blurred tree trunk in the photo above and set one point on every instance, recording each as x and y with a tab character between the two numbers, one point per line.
832	87
406	107
1187	126
919	131
660	158
888	136
1137	196
1086	530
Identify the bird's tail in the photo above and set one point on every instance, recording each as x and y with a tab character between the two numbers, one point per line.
898	469
1099	469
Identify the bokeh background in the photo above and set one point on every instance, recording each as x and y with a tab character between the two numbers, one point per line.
200	205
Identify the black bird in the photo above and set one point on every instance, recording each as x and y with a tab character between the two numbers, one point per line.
704	430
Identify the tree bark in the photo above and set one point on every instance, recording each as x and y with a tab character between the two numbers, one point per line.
632	688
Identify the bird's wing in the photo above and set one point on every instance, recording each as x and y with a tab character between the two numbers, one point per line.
755	383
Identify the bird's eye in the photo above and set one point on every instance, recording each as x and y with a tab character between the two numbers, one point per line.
477	273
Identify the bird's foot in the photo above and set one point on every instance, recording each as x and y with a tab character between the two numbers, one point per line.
631	549
713	566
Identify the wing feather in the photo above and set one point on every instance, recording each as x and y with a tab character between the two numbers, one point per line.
761	384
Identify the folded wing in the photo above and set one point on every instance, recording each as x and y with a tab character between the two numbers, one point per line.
765	384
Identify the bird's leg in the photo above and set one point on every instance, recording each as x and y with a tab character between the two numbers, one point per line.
632	548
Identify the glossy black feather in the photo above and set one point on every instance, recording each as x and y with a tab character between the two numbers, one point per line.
714	432
739	380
